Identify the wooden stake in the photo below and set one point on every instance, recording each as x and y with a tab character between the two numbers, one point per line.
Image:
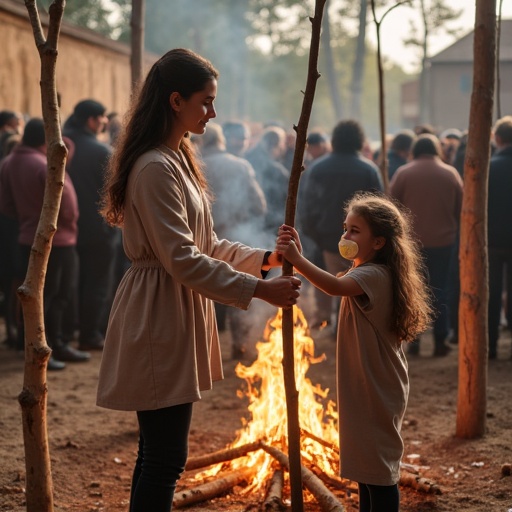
325	498
221	456
292	395
211	489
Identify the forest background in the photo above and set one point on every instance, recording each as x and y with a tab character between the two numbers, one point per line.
261	49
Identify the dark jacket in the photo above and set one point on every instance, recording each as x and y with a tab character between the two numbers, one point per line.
330	183
500	200
87	170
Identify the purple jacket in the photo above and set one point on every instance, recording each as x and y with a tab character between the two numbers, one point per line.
22	182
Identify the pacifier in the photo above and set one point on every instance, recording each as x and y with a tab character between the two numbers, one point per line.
348	249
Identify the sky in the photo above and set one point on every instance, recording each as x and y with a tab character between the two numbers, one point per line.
396	27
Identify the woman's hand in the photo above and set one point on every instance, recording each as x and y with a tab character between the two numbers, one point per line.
282	291
288	243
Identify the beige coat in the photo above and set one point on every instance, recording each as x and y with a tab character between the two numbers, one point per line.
162	345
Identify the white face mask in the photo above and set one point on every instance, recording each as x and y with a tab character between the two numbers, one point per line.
348	249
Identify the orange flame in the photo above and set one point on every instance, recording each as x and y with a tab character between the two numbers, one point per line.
267	405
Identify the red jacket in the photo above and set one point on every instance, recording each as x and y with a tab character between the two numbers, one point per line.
22	183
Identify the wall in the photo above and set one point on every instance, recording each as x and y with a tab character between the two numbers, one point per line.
88	66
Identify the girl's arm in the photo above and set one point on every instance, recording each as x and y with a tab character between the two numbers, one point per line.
336	286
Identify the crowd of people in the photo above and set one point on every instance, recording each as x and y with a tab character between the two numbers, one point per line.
247	168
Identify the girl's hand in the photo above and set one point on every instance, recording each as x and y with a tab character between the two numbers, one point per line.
288	243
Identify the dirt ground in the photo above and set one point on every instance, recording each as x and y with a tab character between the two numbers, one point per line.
93	450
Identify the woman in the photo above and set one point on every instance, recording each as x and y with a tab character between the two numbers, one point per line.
162	346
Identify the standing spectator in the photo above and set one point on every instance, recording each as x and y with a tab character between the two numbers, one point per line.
400	150
11	123
432	190
318	145
450	142
272	176
499	229
162	346
332	180
97	241
238	211
22	184
237	135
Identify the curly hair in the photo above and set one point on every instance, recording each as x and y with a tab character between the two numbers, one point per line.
412	303
149	121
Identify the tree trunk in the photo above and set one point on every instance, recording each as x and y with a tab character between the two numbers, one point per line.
330	68
424	75
291	392
473	337
33	397
358	67
137	41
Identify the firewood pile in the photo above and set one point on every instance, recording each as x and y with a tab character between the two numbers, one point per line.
329	491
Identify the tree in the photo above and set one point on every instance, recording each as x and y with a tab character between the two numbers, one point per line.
435	17
137	41
473	337
33	397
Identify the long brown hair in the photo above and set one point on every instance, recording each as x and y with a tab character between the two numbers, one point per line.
412	303
149	121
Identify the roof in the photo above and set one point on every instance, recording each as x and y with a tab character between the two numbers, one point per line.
462	50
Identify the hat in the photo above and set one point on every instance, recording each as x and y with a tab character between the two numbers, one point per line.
88	108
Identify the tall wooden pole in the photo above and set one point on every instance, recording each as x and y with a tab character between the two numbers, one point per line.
474	290
33	397
292	395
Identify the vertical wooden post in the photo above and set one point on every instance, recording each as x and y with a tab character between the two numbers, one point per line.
292	395
474	290
33	397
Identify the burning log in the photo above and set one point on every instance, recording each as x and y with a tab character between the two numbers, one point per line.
342	484
419	483
221	456
325	498
211	489
319	440
274	499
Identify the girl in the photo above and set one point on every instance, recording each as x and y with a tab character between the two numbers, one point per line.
385	302
162	345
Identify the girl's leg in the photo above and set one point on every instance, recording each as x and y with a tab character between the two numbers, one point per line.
163	450
379	498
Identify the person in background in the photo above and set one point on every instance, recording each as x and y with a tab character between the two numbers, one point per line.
450	142
499	219
331	181
22	184
432	190
265	158
237	135
162	346
400	150
98	242
238	210
11	123
385	303
318	145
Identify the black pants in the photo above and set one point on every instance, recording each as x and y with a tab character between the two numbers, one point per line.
163	450
61	276
96	278
378	498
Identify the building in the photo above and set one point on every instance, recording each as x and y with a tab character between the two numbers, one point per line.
450	80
